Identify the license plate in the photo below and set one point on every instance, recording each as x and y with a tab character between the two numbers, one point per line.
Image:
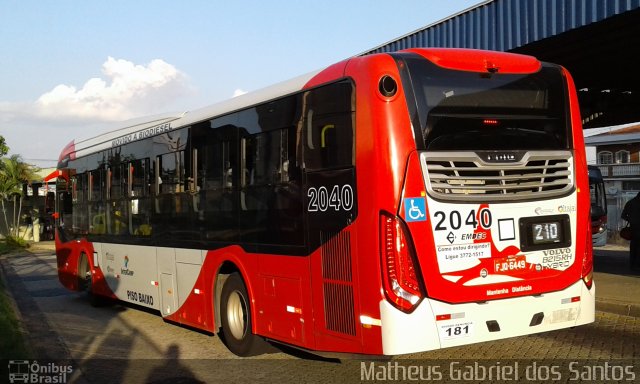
510	264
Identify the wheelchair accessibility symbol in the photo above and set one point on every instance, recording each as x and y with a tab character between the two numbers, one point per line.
415	209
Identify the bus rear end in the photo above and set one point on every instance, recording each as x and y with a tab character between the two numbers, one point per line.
491	234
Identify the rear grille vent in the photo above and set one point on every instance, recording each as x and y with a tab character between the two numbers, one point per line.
338	303
465	176
336	256
337	282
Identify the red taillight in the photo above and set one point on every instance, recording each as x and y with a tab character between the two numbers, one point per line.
400	275
587	260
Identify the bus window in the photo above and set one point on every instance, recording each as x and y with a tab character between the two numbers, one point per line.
97	215
328	127
115	181
96	184
139	170
270	193
79	189
465	110
171	172
67	203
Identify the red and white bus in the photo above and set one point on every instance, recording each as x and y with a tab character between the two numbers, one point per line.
387	204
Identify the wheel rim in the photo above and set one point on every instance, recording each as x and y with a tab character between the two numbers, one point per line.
237	315
88	281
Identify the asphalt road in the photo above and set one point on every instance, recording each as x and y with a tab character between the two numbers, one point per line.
117	343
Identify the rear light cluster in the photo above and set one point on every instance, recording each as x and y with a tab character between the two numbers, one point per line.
400	274
587	261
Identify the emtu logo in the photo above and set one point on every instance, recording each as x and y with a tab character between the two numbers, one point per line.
126	271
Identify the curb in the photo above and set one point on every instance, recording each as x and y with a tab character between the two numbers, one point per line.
632	310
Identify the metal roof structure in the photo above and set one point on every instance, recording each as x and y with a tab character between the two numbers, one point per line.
622	134
504	25
596	40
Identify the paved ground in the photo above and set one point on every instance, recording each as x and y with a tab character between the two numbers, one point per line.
122	344
617	286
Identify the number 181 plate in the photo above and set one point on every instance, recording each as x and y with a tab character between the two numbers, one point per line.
457	330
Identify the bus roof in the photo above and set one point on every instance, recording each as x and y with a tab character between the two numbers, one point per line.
154	125
128	131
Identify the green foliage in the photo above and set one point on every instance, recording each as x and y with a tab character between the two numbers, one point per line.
10	244
16	242
12	340
14	173
3	147
5	248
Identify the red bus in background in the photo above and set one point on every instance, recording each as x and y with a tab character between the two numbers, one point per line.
387	204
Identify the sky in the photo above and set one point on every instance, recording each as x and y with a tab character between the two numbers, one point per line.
73	69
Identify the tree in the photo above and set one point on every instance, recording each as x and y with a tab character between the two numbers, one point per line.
7	188
3	147
14	173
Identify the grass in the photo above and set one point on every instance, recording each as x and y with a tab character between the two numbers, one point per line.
10	244
12	341
5	248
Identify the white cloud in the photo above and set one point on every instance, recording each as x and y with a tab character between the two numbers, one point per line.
41	128
129	90
238	92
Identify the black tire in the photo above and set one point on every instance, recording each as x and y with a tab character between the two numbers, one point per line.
235	314
85	281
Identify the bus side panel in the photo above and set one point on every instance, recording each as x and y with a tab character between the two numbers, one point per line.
192	281
132	273
384	141
584	248
283	300
68	257
197	299
281	304
280	292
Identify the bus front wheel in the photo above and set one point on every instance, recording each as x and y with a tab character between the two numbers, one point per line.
235	313
85	278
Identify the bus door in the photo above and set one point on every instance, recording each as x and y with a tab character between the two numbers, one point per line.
63	204
48	216
330	204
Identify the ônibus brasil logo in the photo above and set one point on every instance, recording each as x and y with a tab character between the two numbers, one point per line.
25	371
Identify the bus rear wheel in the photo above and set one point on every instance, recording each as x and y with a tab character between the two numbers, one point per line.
235	314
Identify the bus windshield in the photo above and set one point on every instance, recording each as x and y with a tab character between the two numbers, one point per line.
598	194
490	111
